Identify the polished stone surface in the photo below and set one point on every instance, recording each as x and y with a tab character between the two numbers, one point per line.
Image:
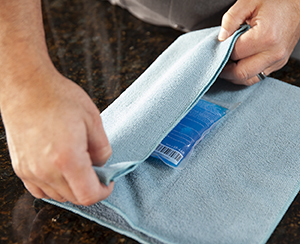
104	49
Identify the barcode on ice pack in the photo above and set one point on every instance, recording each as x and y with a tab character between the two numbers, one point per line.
171	154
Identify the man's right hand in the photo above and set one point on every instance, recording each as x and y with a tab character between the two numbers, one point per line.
55	135
54	131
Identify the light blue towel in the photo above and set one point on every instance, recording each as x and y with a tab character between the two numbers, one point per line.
151	107
240	179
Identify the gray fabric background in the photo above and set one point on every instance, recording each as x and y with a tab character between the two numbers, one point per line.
184	15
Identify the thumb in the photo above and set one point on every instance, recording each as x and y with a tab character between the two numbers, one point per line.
234	17
98	144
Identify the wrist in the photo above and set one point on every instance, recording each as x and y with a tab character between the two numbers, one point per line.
26	80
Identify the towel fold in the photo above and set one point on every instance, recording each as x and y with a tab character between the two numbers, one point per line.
152	106
240	179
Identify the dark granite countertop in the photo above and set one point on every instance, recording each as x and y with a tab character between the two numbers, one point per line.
104	49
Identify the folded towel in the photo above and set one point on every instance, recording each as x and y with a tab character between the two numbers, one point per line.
152	106
240	179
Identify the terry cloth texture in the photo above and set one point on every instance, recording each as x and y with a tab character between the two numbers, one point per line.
152	106
240	179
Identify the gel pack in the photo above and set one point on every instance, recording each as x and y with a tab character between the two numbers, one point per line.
176	148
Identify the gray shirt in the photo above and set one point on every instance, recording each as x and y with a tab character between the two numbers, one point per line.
185	15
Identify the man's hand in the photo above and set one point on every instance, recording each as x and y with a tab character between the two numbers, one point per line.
55	135
266	47
54	130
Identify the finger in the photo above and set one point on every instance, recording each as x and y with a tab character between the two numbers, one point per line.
34	190
61	186
248	45
262	36
98	144
51	193
85	184
234	17
245	71
49	184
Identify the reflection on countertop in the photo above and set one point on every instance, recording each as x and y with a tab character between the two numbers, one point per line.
103	49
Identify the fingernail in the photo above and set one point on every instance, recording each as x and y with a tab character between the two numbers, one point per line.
223	34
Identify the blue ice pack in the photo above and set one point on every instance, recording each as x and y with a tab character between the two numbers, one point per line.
176	148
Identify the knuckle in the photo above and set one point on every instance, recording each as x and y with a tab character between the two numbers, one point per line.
242	75
283	62
87	201
105	153
250	82
96	122
91	197
39	173
235	54
272	39
34	190
38	195
280	55
61	160
18	171
108	152
23	173
58	198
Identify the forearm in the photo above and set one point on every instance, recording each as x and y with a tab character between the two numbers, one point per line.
23	50
53	129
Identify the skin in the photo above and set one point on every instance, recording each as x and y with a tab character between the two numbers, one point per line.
275	30
54	131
